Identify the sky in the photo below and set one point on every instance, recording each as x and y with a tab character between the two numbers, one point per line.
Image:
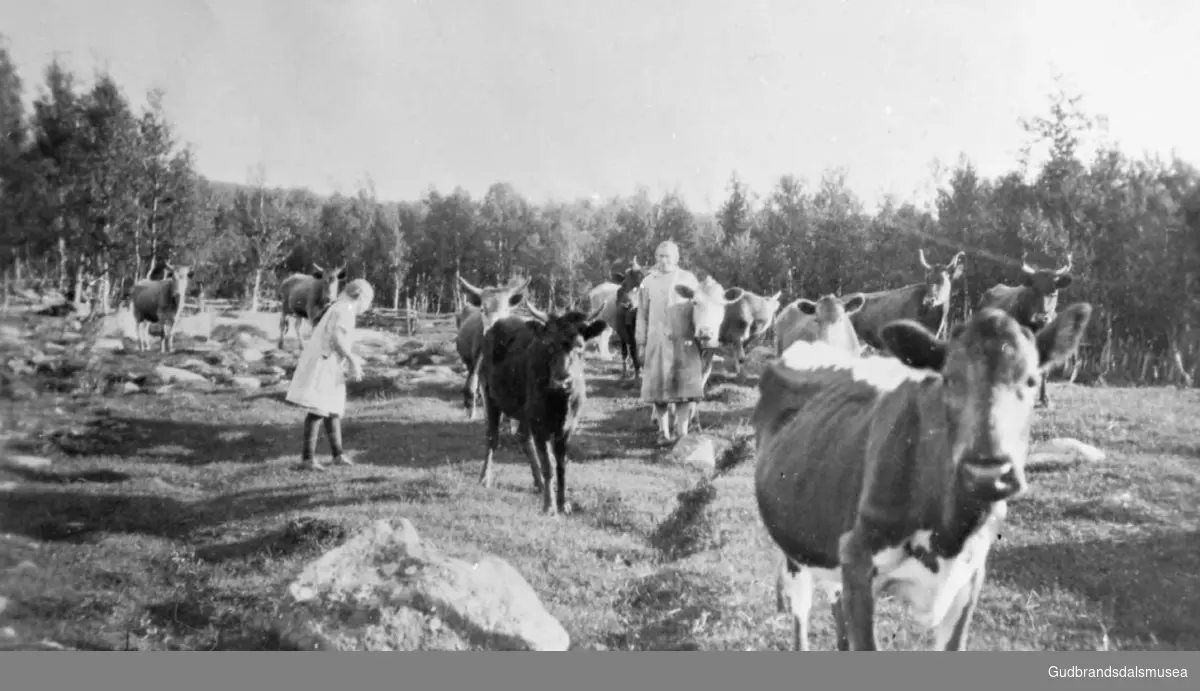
566	98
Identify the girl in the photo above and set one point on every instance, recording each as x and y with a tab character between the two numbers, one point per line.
319	383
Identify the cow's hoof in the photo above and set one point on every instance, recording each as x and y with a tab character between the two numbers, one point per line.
487	481
565	509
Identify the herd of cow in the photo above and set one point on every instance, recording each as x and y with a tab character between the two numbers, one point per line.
876	472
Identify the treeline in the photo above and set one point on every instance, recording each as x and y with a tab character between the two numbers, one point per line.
94	189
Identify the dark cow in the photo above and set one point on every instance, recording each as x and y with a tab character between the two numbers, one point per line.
533	372
705	314
927	302
624	316
304	296
825	321
1032	303
160	302
891	474
746	320
485	306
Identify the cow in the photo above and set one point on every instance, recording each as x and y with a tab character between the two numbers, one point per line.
825	321
1032	303
485	306
160	302
705	314
745	320
605	294
305	296
624	316
892	474
927	302
533	372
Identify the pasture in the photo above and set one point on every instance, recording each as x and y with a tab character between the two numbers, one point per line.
169	517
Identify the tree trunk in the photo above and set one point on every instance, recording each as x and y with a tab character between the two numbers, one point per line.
254	290
396	291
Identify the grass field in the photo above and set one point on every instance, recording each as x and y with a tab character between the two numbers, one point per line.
170	521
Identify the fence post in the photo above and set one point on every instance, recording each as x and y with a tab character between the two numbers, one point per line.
408	325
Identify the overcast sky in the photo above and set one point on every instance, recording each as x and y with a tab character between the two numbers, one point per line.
566	98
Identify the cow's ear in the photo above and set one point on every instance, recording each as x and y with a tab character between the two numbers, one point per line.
515	299
1026	279
342	275
854	303
957	272
617	277
806	306
1061	282
685	291
734	294
473	298
594	329
914	345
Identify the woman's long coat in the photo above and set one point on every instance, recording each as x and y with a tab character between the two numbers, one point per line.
672	370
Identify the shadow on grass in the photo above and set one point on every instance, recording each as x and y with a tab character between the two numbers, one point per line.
51	515
666	609
1149	587
689	528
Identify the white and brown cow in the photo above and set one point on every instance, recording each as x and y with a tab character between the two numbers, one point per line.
745	320
891	475
825	321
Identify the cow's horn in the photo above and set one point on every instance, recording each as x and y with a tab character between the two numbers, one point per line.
921	254
1066	268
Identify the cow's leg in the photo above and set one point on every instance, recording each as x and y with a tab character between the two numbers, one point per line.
633	354
839	624
529	447
560	467
951	633
603	347
487	477
1043	402
858	599
794	593
162	342
549	495
624	355
472	391
514	425
283	320
137	334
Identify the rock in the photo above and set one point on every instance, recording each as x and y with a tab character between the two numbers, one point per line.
699	450
28	461
386	590
247	383
7	486
171	375
251	354
130	388
198	366
109	344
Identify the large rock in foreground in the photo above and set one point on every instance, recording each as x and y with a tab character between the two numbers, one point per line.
385	590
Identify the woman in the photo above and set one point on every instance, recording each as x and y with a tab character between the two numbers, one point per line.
672	366
319	383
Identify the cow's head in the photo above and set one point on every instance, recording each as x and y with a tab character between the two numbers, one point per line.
560	346
745	319
708	308
831	318
495	303
178	277
327	282
938	279
991	368
1040	297
629	285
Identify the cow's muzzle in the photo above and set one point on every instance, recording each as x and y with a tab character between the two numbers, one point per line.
994	479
